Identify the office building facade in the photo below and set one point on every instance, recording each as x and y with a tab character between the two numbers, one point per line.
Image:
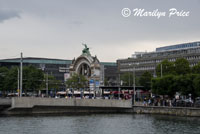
147	61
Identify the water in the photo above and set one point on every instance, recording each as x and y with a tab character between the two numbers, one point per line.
100	124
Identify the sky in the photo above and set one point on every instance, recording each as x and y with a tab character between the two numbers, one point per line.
57	28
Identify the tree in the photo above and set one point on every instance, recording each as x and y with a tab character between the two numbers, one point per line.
53	83
157	87
32	78
196	83
167	68
106	83
11	80
145	80
164	85
127	79
182	66
3	74
77	82
196	69
184	84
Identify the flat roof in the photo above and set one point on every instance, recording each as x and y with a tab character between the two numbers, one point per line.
38	60
179	46
109	63
48	61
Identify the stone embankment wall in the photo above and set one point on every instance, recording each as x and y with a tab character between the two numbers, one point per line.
5	101
34	105
29	102
178	111
4	104
44	106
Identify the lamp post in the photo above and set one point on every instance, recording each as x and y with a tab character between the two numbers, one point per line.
119	88
21	74
94	76
161	69
18	82
47	85
134	84
129	75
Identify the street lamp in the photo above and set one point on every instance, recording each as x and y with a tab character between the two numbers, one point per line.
134	83
119	87
129	75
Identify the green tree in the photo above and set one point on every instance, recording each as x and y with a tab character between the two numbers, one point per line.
145	80
196	69
157	87
184	84
106	83
77	81
53	83
3	74
167	68
196	83
182	66
164	85
11	80
127	79
32	78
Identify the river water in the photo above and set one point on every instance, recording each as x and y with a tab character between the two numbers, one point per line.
100	124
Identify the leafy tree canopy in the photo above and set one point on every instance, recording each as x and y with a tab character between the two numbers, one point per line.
77	81
166	67
196	69
182	66
145	80
3	74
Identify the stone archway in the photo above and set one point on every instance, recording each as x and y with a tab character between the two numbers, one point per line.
88	66
84	68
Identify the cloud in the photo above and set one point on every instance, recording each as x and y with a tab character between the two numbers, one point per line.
6	14
63	25
76	22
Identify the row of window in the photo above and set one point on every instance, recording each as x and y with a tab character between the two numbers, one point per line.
145	68
178	46
174	52
137	69
157	61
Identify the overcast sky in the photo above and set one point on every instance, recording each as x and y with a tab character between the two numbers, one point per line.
57	28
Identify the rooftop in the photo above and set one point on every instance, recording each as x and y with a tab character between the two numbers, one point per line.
178	46
48	61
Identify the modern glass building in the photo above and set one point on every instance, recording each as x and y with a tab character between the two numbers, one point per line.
58	67
178	46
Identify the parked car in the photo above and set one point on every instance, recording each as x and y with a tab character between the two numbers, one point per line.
197	102
184	103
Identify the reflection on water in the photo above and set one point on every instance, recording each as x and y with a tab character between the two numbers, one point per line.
100	124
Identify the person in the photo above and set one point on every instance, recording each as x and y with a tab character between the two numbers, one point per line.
144	101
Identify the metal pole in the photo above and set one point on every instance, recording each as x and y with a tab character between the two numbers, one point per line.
161	69
18	77
154	68
103	75
119	88
129	79
47	85
21	68
94	83
129	72
134	85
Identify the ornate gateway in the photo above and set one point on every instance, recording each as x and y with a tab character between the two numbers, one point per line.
87	66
